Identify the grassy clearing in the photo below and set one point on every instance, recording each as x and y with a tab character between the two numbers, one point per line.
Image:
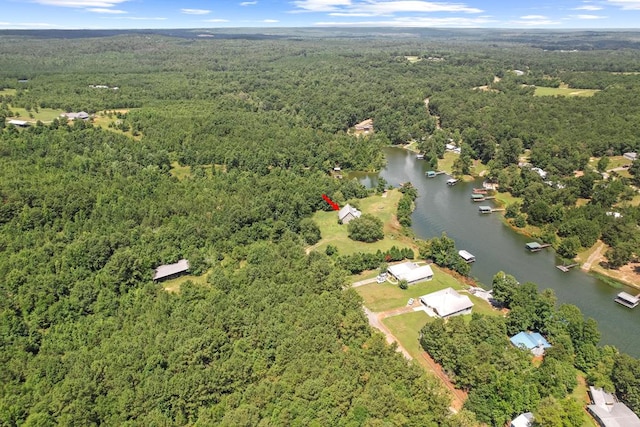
378	206
413	59
406	328
562	91
446	163
43	114
7	92
385	296
182	172
173	285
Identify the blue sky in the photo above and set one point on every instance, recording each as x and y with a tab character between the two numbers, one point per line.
117	14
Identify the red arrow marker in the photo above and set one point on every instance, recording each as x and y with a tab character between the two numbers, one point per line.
333	204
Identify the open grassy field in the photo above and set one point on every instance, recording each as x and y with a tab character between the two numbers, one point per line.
614	162
382	207
406	328
7	92
182	172
563	91
446	163
173	285
43	114
413	59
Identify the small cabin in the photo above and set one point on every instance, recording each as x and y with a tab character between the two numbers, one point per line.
466	256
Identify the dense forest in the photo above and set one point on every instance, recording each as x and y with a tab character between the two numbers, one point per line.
218	150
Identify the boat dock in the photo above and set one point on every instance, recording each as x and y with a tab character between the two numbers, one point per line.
452	181
565	268
420	156
535	246
467	256
627	300
476	197
433	174
480	191
488	209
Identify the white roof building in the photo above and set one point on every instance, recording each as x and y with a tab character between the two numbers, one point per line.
411	272
347	213
523	420
609	412
447	302
168	270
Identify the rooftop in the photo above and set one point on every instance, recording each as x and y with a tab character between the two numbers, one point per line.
447	302
410	271
171	269
532	341
609	412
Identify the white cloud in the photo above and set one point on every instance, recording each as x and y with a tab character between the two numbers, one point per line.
248	3
195	11
216	20
145	18
626	4
415	21
588	16
270	21
81	3
530	17
380	7
320	5
104	10
590	7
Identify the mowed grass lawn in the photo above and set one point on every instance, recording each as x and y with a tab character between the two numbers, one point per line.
563	91
406	328
383	208
173	285
43	114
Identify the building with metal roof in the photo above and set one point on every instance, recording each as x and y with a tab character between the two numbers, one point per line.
447	303
171	270
523	420
348	213
411	272
608	412
532	341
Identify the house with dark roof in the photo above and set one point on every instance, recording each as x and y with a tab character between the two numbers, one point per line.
532	341
169	271
348	213
608	412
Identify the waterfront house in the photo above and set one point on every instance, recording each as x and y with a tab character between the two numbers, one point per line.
608	412
411	272
532	341
447	303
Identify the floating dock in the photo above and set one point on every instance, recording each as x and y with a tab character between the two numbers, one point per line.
452	181
420	156
485	209
566	268
467	256
480	197
480	191
433	174
627	300
535	246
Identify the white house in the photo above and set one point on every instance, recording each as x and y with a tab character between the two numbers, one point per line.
411	272
347	213
609	412
447	303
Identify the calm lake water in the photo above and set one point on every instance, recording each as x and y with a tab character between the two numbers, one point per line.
442	208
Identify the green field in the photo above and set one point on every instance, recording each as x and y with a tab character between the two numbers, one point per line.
406	328
7	92
614	162
413	59
43	114
382	207
173	285
563	91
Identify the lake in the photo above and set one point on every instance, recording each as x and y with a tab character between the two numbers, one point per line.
442	208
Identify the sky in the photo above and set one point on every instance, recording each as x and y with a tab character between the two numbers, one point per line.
119	14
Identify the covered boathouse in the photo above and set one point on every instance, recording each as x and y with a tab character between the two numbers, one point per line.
627	300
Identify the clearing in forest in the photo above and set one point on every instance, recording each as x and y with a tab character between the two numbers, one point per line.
382	207
563	91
